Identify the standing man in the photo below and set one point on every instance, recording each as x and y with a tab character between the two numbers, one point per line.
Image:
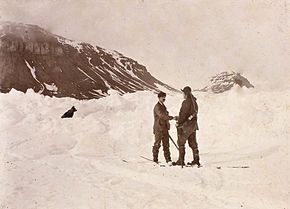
161	128
186	127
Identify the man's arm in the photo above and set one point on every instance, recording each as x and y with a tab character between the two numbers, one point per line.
183	113
161	114
195	107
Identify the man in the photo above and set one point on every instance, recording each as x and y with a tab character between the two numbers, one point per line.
186	127
161	128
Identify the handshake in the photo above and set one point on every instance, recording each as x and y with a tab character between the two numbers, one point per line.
173	118
176	119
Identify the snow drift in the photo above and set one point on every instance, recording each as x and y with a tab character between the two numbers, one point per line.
93	160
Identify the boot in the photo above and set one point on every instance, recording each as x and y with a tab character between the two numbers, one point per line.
155	151
166	152
180	160
195	160
168	160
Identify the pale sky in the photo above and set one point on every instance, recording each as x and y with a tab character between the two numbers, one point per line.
180	42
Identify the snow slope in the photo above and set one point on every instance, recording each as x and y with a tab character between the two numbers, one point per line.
93	160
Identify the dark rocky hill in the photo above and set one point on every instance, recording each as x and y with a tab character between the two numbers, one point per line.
31	57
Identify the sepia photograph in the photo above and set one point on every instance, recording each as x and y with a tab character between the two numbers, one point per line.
144	104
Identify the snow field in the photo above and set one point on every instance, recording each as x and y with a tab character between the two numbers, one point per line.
93	160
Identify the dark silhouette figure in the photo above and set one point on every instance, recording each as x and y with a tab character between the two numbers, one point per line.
69	113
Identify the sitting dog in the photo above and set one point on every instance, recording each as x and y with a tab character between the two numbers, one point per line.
69	113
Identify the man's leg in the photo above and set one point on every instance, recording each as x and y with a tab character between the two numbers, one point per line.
194	146
156	146
165	144
181	144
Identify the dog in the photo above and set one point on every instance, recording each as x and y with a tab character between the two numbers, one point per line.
69	113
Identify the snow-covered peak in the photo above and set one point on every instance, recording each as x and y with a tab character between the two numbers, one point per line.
225	81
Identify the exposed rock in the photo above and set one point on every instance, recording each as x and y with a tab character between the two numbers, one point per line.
31	57
225	81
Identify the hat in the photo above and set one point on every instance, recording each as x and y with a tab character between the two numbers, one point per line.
186	90
161	94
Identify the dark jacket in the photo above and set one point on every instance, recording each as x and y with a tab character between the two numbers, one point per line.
161	118
189	107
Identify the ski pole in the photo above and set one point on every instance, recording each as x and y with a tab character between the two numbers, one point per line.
174	142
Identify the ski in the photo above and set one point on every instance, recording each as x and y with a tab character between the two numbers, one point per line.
189	166
158	163
238	166
219	167
194	166
146	158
